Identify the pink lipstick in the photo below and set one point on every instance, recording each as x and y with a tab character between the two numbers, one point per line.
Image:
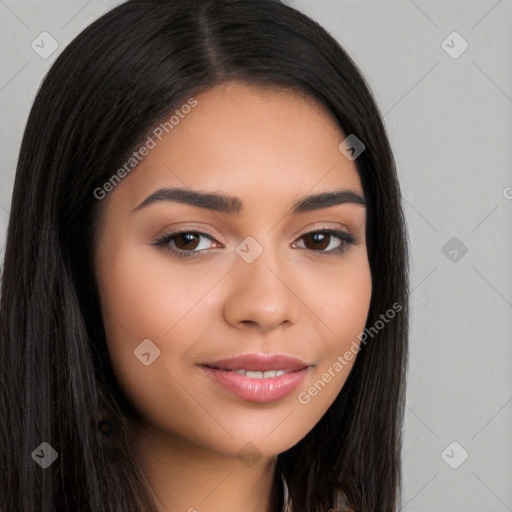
258	377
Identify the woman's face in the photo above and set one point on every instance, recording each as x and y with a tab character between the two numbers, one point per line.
252	275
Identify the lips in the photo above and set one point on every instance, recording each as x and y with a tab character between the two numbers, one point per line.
258	377
259	362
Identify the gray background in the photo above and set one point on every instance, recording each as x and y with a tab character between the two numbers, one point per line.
450	125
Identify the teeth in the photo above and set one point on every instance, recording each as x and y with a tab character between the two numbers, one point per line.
261	375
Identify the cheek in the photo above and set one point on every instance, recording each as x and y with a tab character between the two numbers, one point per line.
132	302
342	303
147	295
341	299
144	297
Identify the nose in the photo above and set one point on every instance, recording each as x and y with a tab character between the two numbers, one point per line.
261	294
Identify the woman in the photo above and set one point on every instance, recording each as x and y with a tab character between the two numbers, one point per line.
204	297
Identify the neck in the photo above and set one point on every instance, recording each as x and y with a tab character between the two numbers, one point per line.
185	477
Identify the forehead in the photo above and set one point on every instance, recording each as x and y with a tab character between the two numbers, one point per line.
246	139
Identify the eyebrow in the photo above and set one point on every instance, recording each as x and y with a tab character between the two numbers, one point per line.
233	205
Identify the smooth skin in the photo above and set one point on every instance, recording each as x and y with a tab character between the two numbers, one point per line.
269	148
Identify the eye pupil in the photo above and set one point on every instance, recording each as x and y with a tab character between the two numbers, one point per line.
321	238
187	239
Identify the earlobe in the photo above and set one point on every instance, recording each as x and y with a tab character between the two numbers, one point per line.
107	427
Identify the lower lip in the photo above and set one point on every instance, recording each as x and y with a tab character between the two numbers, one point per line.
257	390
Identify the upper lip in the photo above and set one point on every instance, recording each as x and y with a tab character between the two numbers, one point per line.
263	362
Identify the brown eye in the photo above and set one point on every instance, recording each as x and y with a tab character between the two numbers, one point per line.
317	241
186	241
327	241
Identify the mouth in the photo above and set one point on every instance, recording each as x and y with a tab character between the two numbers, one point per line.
259	363
259	378
257	374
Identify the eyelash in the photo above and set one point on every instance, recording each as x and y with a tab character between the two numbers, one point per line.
345	237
